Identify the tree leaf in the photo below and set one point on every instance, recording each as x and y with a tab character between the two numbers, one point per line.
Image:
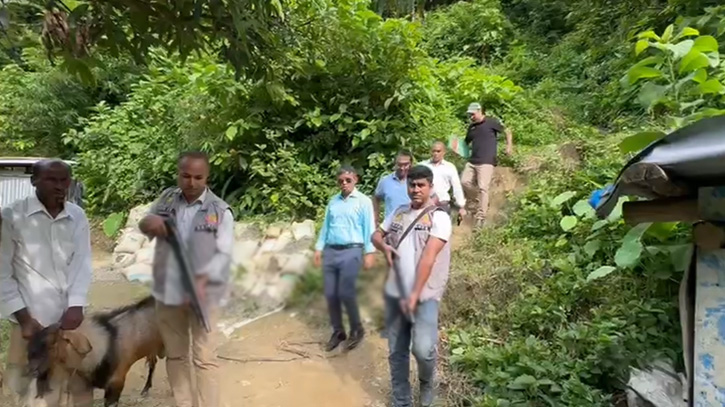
600	272
693	61
112	224
628	254
668	33
231	132
687	32
652	94
680	49
567	223
522	382
583	209
711	86
649	34
700	76
639	141
641	46
592	247
599	224
641	72
705	43
562	197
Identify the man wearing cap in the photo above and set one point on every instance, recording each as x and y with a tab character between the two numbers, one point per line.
482	136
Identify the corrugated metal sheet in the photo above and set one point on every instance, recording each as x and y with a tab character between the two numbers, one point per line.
14	187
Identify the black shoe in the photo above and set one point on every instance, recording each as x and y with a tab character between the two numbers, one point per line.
335	340
356	336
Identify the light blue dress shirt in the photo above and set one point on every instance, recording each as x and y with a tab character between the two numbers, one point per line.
348	221
393	191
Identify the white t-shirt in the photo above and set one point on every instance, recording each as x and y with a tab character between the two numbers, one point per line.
440	228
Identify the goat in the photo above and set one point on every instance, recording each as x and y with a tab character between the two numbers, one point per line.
100	351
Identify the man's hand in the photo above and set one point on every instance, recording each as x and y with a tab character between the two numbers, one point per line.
318	258
412	304
72	318
154	226
369	261
389	252
29	328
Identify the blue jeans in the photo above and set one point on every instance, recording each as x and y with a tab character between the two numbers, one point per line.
340	269
424	338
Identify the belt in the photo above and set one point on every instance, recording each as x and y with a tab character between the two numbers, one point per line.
344	246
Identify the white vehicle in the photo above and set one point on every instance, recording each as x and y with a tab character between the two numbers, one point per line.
15	183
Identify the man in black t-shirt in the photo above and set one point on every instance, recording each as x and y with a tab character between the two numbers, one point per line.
482	134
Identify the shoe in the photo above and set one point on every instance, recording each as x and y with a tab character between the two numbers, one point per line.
356	336
335	340
427	395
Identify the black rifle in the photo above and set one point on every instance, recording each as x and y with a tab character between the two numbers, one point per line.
187	275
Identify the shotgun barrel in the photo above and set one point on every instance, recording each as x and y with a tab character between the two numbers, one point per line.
187	274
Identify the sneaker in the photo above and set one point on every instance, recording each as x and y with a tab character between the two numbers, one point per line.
356	336
335	340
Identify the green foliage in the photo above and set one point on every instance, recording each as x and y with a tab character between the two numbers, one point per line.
476	29
569	302
354	89
113	224
37	107
680	74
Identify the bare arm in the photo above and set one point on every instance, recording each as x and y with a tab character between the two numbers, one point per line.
376	208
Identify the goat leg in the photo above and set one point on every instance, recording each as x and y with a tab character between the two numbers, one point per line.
151	361
113	392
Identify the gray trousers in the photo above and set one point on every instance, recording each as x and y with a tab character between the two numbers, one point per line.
340	269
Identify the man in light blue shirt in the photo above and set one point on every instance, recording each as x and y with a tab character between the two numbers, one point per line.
344	236
393	188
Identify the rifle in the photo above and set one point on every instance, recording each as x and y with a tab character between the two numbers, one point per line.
187	275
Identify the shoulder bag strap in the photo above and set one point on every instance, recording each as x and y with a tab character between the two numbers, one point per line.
410	227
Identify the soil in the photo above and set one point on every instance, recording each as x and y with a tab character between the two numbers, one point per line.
278	360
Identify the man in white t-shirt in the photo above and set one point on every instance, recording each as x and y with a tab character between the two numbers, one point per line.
445	178
421	260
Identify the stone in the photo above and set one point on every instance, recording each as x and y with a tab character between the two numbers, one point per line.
303	230
244	252
297	263
282	241
138	272
122	260
130	242
136	214
145	255
273	231
282	289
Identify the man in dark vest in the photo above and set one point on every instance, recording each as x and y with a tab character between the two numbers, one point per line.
206	224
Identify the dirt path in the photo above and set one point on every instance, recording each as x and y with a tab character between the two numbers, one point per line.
278	361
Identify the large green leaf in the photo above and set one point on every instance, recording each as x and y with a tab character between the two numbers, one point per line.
705	43
600	272
652	94
687	32
639	141
668	33
643	72
680	49
628	255
693	61
641	46
592	247
711	86
562	197
583	209
522	382
649	34
113	223
568	223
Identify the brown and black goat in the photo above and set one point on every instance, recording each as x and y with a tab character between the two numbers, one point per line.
99	352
